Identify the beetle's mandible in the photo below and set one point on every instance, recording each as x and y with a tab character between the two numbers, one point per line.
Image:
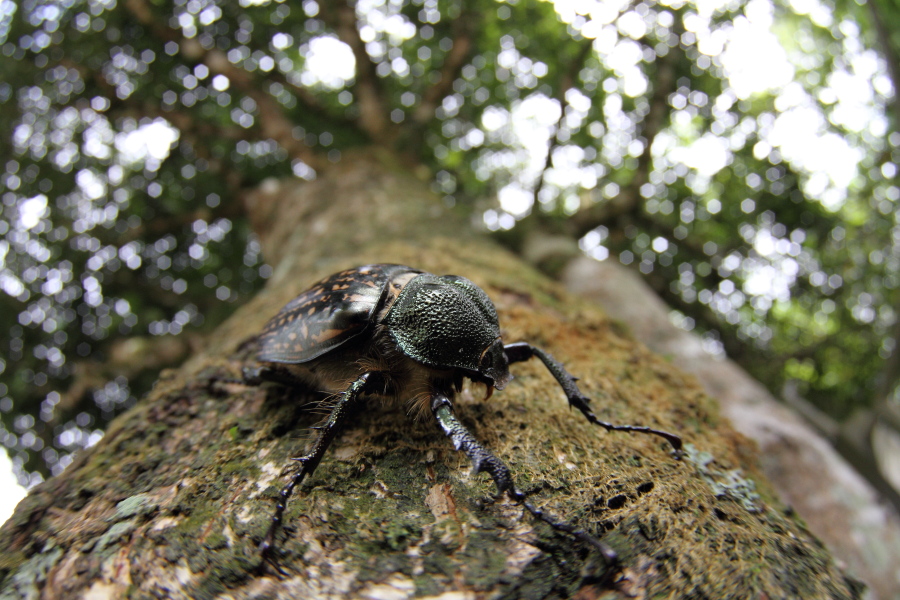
391	331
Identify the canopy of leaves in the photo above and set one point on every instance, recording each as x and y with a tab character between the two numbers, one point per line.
737	153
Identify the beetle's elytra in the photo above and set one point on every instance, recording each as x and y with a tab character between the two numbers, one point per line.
393	331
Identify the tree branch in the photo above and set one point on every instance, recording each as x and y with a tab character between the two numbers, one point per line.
892	58
630	197
310	102
273	122
374	118
566	82
450	71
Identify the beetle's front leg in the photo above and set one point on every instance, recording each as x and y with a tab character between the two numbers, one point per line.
521	351
483	460
308	463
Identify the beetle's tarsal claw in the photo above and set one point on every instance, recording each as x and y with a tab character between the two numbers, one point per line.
269	559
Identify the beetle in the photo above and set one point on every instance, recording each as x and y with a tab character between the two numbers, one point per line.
391	331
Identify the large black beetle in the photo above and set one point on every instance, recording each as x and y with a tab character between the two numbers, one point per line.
393	331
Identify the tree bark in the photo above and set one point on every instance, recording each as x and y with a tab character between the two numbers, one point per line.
837	503
176	498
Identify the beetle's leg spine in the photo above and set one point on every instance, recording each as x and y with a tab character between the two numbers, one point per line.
327	432
483	460
521	351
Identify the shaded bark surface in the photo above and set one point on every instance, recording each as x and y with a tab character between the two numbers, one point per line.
838	504
175	499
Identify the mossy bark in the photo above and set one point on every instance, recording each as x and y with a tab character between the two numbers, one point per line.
177	496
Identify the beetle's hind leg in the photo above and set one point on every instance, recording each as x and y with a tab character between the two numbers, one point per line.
339	416
521	351
483	460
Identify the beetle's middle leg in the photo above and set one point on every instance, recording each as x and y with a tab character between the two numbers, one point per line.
521	351
308	463
483	460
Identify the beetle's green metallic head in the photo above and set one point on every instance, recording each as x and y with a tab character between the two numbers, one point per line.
449	322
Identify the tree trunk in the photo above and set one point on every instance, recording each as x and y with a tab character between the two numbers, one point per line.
836	502
176	498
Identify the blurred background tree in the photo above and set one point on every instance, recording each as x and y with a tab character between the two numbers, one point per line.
741	155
